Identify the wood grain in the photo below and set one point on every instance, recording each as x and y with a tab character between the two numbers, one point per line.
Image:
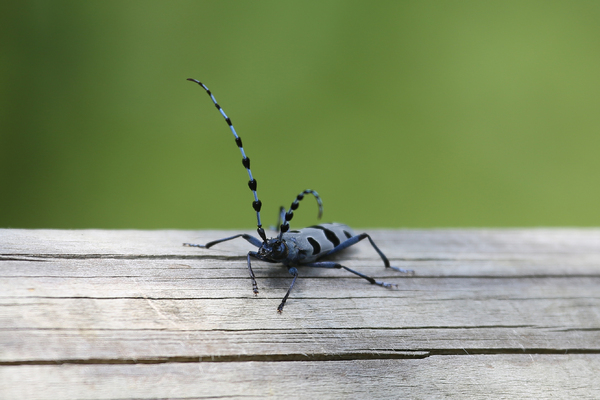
512	313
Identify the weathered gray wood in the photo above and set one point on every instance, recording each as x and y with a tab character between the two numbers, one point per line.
134	314
456	377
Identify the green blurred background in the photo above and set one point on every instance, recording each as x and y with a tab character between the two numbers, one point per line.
399	113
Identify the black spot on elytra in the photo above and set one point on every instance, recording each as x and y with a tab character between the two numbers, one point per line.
332	237
315	245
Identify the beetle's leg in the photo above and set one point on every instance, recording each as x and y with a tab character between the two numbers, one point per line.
355	239
254	286
249	238
332	264
280	217
294	272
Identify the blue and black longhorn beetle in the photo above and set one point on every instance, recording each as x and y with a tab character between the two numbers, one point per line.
305	247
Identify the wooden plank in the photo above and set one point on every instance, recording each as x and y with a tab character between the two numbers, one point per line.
464	243
455	377
426	314
116	308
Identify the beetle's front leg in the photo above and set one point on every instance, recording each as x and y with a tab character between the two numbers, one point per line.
294	272
249	238
254	286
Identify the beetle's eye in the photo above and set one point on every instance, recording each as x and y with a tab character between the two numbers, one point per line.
279	250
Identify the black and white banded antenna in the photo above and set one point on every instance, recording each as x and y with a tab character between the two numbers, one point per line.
286	217
256	204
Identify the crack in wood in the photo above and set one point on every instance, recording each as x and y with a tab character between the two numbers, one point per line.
346	356
284	332
299	357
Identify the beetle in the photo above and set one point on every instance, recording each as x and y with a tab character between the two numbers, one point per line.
305	247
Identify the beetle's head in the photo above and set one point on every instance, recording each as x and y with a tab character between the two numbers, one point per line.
273	249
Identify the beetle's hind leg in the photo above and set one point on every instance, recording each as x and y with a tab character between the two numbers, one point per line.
357	238
332	264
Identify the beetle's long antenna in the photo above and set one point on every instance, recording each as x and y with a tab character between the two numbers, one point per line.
256	204
285	226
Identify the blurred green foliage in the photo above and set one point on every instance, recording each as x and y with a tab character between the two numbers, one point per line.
399	113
